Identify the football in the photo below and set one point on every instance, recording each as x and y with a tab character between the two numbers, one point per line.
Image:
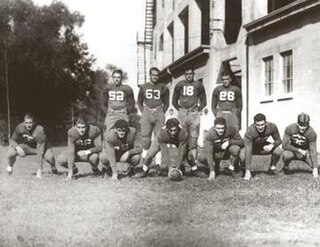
176	174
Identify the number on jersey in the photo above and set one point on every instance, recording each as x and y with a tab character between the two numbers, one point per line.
188	90
116	95
153	94
226	95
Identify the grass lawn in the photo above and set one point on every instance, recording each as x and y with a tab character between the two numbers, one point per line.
91	211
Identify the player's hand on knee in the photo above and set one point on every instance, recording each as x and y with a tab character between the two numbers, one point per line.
268	147
20	151
303	152
224	145
84	153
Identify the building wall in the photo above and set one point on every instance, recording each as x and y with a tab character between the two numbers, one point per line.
302	38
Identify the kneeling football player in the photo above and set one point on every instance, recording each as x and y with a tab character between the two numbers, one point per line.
221	143
30	138
84	145
261	138
122	149
170	134
300	143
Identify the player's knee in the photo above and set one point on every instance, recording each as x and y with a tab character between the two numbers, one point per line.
135	159
242	154
287	155
277	151
202	158
234	150
62	159
193	142
94	159
49	156
146	142
12	153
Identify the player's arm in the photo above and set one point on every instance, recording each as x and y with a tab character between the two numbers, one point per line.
140	99
203	98
276	137
104	105
111	154
176	96
239	102
313	150
165	155
209	150
248	143
182	149
14	139
71	152
40	138
137	146
214	103
166	99
286	142
130	101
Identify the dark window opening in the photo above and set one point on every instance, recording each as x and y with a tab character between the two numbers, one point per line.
277	4
233	20
161	43
184	16
154	13
204	6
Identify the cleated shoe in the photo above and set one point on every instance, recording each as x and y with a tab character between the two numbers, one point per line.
247	175
142	174
9	170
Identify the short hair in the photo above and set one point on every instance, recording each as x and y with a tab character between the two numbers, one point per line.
117	71
82	120
29	115
220	121
259	117
172	122
303	119
121	124
154	69
188	68
225	73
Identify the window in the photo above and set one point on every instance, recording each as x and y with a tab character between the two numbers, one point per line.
233	20
171	31
277	4
268	73
287	71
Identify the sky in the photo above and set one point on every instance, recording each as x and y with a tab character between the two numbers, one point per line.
110	30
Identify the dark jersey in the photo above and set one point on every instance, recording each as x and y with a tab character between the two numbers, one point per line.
88	141
188	95
119	97
22	136
261	139
226	99
215	141
153	95
293	139
131	142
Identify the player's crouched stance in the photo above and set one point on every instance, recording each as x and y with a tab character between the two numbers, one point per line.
122	149
84	145
170	134
221	143
29	138
261	138
300	143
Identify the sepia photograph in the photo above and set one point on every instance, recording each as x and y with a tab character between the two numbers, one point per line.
159	123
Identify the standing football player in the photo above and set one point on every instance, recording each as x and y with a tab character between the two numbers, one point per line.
118	100
170	134
84	145
123	145
300	143
153	102
261	138
189	98
29	138
227	101
221	143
